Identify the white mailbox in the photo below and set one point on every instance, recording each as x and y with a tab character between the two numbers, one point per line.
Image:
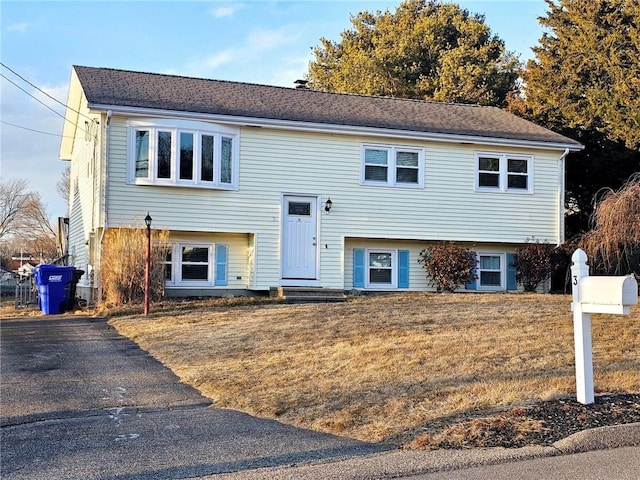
608	294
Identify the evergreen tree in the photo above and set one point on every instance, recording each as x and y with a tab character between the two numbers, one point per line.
424	50
585	83
587	69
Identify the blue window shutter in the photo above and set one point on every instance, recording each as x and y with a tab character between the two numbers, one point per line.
511	272
358	268
403	268
221	265
473	284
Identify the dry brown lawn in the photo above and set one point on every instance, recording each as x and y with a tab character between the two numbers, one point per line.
377	367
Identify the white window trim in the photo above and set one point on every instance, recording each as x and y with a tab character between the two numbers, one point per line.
503	173
503	272
394	269
176	266
392	168
175	128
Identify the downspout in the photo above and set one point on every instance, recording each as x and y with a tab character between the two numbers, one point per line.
561	193
106	196
106	169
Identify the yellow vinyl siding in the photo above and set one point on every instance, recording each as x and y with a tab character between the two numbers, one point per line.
418	279
85	191
417	276
276	162
238	272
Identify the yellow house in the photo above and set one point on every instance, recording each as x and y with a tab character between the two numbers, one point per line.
264	186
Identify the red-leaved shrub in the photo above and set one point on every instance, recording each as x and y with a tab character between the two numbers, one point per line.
448	265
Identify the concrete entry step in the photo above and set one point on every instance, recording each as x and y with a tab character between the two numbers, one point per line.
308	294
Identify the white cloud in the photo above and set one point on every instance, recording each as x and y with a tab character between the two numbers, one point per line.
205	67
18	27
58	93
227	10
265	39
219	59
290	69
256	45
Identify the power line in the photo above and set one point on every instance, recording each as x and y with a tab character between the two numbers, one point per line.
42	91
28	93
34	130
42	103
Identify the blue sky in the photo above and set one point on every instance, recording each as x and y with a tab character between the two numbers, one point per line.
255	41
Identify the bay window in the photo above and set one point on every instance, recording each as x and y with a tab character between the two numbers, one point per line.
188	154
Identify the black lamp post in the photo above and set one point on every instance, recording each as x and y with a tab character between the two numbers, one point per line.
147	267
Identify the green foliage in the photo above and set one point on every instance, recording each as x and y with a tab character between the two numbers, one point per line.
603	164
585	83
587	68
424	50
534	263
448	265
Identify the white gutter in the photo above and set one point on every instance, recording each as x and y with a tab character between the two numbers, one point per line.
341	129
561	193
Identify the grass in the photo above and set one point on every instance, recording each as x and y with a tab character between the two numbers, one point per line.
379	367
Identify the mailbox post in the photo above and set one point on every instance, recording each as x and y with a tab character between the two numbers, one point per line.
613	295
581	331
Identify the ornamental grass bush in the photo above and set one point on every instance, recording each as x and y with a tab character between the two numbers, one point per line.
123	265
613	245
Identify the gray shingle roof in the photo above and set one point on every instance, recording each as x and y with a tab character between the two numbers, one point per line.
121	88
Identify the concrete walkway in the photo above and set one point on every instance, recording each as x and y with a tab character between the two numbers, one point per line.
80	401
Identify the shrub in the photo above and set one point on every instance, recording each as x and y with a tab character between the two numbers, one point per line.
534	264
448	265
561	261
123	265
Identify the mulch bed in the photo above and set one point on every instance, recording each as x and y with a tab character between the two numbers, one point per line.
540	424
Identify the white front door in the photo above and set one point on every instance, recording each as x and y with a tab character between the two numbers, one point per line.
299	237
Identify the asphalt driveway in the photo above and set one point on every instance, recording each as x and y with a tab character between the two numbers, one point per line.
79	401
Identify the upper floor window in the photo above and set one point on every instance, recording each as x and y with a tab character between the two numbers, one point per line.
504	173
392	166
183	153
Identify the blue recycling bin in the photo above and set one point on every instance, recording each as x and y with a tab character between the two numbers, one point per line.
54	283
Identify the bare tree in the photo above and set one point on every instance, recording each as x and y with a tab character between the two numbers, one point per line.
35	221
13	198
43	247
63	187
24	219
